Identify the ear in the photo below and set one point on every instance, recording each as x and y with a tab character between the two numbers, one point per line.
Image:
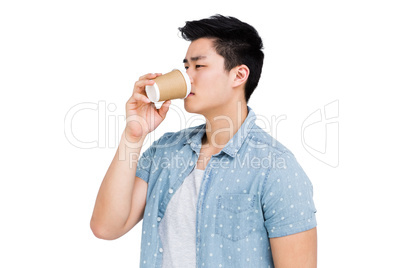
240	74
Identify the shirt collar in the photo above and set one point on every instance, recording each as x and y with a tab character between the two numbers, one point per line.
234	144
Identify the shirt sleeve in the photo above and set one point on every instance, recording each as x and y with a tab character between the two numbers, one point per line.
287	198
145	162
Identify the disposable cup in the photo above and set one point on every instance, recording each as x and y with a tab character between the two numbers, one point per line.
173	85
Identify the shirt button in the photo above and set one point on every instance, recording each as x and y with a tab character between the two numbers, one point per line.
170	191
158	219
161	250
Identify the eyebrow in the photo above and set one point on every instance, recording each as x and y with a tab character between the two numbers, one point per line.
194	58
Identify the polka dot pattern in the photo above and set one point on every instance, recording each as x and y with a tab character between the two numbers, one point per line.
254	189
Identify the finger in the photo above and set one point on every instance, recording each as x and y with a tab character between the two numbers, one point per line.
149	76
141	98
139	86
164	108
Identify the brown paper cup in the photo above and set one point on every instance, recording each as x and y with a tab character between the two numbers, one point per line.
173	85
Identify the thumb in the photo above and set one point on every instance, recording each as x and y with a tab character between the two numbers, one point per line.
164	108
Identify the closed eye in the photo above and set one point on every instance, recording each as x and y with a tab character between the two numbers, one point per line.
196	66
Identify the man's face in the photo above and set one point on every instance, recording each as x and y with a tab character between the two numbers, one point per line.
210	85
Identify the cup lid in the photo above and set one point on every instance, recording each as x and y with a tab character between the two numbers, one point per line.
187	79
153	92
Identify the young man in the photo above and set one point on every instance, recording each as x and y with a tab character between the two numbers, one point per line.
222	194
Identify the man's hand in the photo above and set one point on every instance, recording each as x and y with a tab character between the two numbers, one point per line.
142	117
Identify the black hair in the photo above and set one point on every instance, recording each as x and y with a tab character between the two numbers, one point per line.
236	41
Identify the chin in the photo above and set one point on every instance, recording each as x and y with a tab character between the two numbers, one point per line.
189	108
192	107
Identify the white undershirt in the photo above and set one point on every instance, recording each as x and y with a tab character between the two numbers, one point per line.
177	227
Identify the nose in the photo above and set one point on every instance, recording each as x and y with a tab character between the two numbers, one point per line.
190	75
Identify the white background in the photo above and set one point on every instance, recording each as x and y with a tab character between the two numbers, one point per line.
55	55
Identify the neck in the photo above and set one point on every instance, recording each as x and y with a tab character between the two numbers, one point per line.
222	125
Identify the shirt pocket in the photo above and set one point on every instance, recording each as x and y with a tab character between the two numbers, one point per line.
235	217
